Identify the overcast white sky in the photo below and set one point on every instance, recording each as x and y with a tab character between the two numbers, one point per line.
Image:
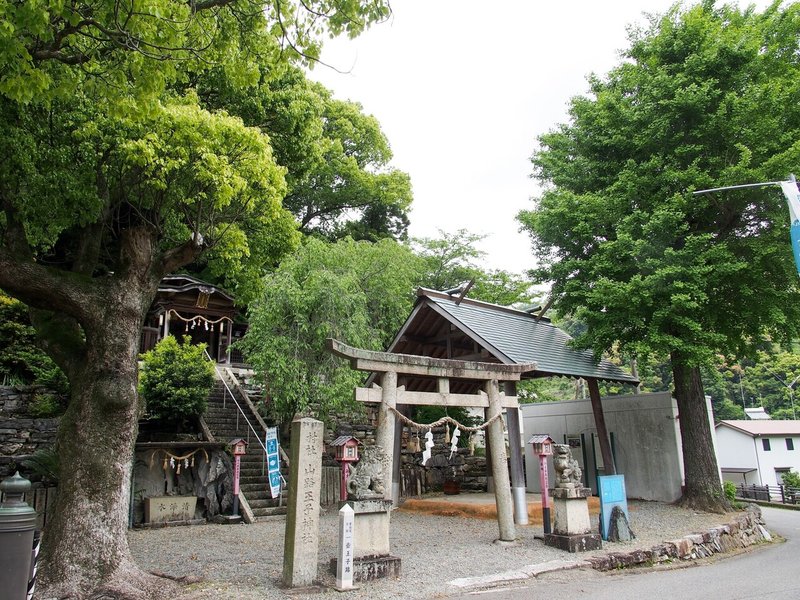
462	89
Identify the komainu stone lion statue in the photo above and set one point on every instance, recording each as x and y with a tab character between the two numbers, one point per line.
568	471
366	478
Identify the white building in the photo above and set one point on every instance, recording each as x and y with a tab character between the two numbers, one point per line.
758	452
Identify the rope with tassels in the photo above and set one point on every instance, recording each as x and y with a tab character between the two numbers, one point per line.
443	420
172	460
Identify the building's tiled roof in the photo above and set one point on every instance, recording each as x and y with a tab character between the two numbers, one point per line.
757	428
518	337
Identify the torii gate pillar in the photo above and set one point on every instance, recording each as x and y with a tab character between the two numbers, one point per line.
497	447
384	433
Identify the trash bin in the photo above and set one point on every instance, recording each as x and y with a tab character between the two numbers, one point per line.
17	524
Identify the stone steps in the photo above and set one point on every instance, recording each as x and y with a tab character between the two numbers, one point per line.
222	421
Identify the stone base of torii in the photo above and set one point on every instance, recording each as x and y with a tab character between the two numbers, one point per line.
390	396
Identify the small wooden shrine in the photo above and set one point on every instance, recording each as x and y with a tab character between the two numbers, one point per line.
206	313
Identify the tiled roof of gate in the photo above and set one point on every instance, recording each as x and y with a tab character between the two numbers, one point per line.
517	337
511	336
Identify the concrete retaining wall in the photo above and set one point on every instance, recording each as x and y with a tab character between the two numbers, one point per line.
645	441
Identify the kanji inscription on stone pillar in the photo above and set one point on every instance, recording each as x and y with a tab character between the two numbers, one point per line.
301	541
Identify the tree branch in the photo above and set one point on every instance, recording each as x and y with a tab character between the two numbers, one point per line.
46	288
179	256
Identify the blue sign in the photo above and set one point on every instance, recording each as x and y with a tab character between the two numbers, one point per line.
611	489
273	461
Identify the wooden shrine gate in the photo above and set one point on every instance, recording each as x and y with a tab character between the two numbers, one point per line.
390	367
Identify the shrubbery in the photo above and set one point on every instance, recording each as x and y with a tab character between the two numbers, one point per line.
21	360
730	491
791	479
175	380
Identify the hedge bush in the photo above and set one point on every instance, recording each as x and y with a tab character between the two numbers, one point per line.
175	380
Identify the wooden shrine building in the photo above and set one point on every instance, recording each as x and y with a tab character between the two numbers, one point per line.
185	305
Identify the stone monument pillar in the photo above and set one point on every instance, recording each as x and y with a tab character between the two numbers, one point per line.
301	541
572	529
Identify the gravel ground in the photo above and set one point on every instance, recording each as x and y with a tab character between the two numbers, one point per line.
434	550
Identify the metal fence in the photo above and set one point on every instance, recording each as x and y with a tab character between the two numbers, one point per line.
769	493
41	499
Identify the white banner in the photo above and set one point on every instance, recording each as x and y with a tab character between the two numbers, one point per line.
793	199
273	461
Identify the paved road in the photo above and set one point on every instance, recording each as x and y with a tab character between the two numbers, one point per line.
765	572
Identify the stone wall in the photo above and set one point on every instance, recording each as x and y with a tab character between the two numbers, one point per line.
20	434
746	528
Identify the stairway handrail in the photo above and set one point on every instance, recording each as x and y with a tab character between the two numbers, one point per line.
238	406
235	382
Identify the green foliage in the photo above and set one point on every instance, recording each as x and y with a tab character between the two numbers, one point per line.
791	479
44	463
337	158
450	260
547	389
357	292
175	380
21	360
45	406
430	414
729	489
702	99
129	53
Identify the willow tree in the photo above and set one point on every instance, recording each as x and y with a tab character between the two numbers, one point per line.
108	183
703	97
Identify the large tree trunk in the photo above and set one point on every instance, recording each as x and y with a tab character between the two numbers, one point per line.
85	547
703	488
90	325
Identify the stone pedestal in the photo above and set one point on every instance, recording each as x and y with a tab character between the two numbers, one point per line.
572	529
371	541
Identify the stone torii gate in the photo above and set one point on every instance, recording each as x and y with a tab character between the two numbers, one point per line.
390	367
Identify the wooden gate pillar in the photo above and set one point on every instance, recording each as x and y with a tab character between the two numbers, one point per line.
502	485
609	468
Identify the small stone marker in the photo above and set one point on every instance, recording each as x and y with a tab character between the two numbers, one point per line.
344	566
301	541
620	530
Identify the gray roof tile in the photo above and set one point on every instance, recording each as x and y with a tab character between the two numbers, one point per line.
517	337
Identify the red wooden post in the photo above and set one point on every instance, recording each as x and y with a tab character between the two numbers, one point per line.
346	452
239	448
543	446
544	484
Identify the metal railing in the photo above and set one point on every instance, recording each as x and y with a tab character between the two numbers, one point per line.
783	494
221	375
240	410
